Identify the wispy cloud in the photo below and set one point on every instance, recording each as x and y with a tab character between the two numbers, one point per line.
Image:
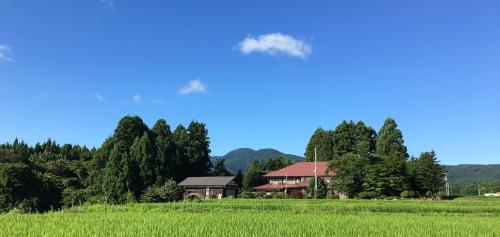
275	44
5	53
193	86
137	99
99	97
109	3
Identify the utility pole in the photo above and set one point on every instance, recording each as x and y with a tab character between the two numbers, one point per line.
315	175
447	184
286	183
478	190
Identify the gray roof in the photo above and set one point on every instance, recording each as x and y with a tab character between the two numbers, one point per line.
208	181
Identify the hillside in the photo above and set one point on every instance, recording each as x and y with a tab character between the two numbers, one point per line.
243	157
473	173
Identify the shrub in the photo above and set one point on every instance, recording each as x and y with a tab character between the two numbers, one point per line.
368	195
322	189
408	194
246	194
280	195
168	192
260	195
72	197
297	195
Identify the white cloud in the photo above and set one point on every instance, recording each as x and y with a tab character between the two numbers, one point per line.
109	3
99	97
194	86
274	44
5	52
137	99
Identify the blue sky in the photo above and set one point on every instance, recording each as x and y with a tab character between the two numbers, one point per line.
258	73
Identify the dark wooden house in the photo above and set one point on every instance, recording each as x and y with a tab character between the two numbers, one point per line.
209	187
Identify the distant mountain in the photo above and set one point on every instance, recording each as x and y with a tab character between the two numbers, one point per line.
243	157
473	173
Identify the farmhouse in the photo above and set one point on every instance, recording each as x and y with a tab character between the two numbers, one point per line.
295	178
209	187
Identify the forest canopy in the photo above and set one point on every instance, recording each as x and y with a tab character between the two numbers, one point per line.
135	159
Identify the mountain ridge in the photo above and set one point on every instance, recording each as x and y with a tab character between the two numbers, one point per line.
241	158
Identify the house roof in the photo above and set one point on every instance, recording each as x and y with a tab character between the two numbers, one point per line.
302	169
281	186
208	181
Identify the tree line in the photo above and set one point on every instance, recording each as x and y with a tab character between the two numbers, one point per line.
368	164
135	163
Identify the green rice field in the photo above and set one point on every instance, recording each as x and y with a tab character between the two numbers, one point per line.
243	217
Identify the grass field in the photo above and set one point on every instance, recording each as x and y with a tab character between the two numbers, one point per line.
239	217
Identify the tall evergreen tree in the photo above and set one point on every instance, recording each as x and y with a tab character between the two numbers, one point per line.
181	140
114	185
322	141
365	139
143	152
390	141
134	182
129	127
198	150
426	173
96	167
344	138
165	152
390	146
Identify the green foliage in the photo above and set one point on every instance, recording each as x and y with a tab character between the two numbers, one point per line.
408	194
246	194
220	169
390	141
390	146
73	197
349	174
128	129
322	190
278	163
279	195
168	192
350	137
181	140
114	184
17	184
242	158
426	173
368	195
239	178
461	174
143	153
96	168
198	151
253	176
322	141
166	160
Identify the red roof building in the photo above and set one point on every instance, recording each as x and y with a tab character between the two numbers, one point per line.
296	177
